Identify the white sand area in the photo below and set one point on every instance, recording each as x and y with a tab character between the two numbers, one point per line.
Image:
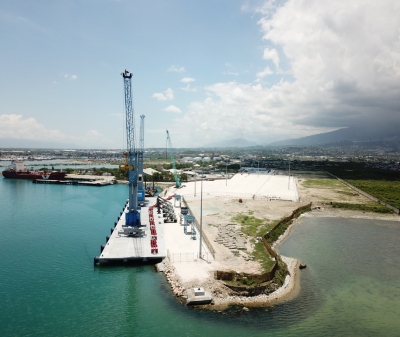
245	186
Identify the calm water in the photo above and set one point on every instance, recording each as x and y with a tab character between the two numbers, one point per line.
48	285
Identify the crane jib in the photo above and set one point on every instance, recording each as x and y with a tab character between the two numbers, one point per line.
178	183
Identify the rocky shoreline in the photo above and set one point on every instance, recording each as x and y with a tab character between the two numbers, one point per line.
224	296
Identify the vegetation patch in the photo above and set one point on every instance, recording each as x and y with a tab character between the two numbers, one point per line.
387	191
377	208
277	232
262	256
280	273
253	226
328	183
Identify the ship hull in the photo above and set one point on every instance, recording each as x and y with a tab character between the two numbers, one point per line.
34	176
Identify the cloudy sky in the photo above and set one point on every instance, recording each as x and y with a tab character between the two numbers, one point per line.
205	70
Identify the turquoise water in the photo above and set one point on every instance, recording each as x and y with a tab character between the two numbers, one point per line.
353	274
48	285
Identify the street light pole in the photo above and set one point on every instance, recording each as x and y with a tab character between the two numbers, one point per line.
226	174
201	217
289	177
195	181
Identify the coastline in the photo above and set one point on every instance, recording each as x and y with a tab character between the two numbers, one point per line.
223	296
288	290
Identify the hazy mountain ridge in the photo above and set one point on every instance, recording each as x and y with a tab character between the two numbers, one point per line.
352	134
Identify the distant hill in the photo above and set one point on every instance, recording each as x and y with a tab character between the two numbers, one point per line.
33	144
353	134
238	142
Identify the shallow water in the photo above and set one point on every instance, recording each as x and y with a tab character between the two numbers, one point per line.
48	285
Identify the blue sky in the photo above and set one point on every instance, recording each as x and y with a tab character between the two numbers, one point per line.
252	68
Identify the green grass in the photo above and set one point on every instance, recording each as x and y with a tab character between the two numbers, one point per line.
377	208
253	226
387	191
257	228
329	183
277	232
262	256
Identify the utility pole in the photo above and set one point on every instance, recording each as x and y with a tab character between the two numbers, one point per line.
289	177
201	217
195	181
226	175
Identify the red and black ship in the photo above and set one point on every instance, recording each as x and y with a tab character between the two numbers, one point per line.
17	170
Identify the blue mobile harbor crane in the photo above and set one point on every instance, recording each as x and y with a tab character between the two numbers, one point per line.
140	159
132	217
178	183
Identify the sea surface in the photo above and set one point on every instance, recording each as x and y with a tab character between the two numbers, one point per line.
49	286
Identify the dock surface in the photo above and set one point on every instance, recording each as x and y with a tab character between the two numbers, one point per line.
122	248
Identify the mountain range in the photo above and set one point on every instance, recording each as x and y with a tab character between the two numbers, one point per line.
341	136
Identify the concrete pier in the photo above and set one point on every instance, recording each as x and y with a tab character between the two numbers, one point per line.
122	248
70	182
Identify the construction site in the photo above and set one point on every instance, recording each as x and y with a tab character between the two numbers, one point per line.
197	231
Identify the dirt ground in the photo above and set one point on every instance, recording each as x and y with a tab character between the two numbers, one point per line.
320	188
312	186
221	210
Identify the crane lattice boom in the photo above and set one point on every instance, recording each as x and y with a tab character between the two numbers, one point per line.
141	153
178	183
133	216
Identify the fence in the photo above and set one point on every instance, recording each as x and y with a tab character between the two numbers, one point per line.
186	257
204	236
396	210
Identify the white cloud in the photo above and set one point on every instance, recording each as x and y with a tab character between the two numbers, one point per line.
189	89
230	73
271	54
94	133
16	127
187	80
345	65
176	69
69	77
166	96
264	73
173	108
